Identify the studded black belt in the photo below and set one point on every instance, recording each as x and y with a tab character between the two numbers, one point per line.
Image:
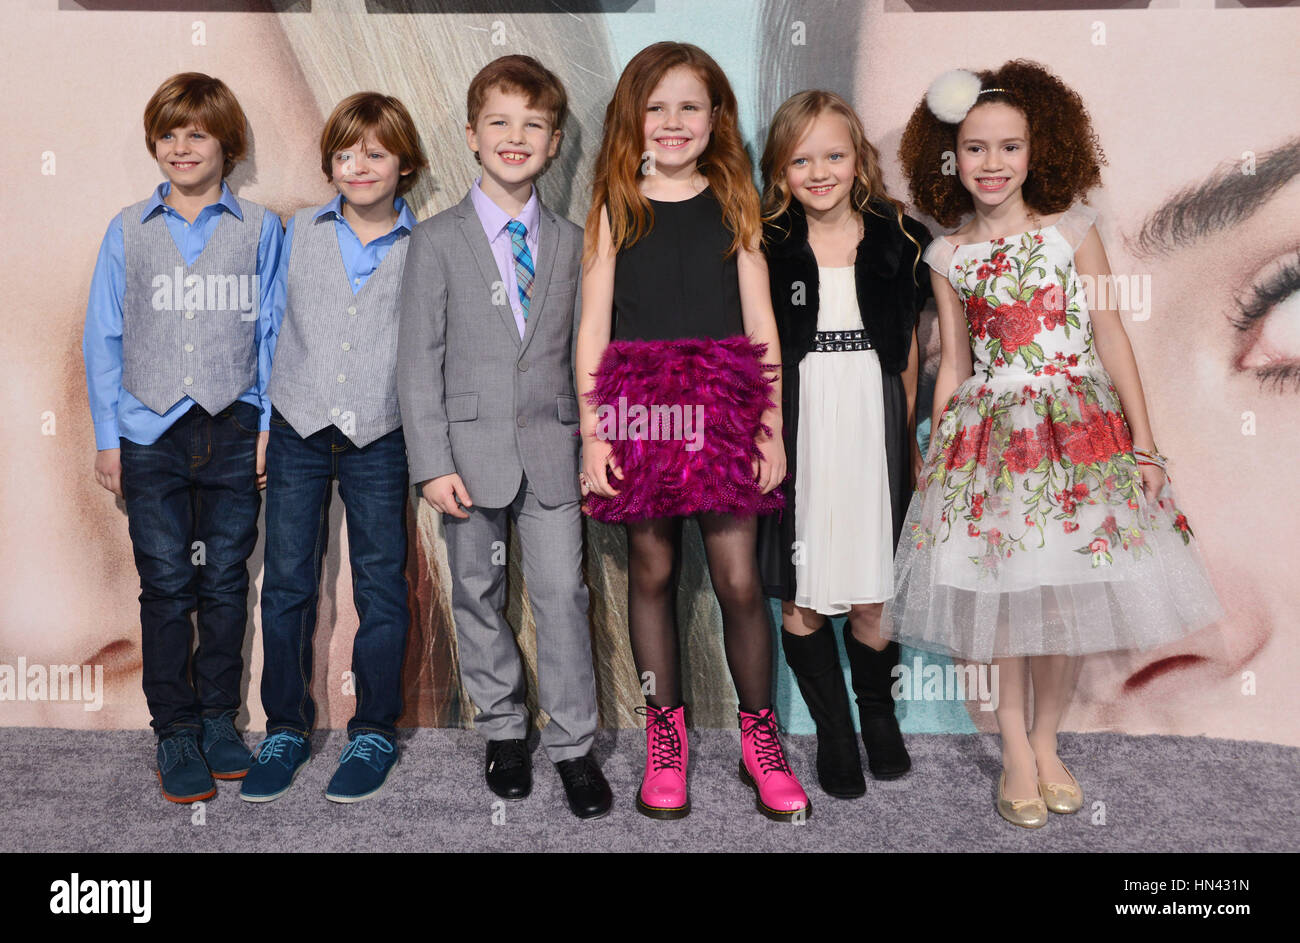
841	340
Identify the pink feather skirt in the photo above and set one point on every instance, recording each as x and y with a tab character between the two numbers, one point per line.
681	417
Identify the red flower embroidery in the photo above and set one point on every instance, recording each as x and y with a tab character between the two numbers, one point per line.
1023	452
979	314
1050	303
972	530
1070	526
1015	326
1100	545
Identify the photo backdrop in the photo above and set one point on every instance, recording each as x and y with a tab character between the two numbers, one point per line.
1195	102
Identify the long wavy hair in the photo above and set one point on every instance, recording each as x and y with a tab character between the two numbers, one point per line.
790	123
619	162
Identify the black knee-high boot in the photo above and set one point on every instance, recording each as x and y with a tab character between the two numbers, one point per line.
816	665
886	754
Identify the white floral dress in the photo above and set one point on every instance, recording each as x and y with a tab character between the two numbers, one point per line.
1029	532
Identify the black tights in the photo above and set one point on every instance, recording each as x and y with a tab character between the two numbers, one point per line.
653	549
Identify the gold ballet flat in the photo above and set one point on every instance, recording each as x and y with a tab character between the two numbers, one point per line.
1062	798
1027	813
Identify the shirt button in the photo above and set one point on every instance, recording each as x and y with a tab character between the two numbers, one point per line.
523	365
356	281
189	315
352	309
189	348
189	381
347	346
340	378
521	421
334	411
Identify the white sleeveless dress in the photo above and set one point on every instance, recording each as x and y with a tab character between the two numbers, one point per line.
843	551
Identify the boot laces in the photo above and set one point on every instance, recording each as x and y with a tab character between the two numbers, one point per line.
767	746
665	744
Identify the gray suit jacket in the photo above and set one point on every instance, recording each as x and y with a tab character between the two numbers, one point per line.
475	398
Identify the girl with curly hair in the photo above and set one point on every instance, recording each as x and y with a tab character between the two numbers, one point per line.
1043	525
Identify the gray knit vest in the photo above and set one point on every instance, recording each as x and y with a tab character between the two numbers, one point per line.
190	330
336	357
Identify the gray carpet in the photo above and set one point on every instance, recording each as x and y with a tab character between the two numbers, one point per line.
85	791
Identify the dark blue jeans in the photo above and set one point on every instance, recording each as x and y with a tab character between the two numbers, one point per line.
198	482
373	486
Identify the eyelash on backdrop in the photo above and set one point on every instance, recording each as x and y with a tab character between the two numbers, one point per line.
1254	304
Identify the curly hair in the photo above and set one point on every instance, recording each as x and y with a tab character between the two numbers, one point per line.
1065	156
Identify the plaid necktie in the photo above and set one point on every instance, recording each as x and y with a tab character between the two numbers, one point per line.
523	262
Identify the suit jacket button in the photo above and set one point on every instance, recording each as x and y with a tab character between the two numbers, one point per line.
523	365
521	421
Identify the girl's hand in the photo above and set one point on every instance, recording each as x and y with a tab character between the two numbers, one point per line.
1153	482
917	461
597	463
108	470
769	467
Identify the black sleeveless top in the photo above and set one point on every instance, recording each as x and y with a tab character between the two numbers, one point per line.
677	280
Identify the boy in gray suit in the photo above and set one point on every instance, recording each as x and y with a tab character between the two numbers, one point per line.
489	311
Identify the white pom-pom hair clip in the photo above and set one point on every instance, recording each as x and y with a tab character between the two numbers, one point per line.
953	94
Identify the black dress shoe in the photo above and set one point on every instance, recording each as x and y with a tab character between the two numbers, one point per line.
509	770
585	788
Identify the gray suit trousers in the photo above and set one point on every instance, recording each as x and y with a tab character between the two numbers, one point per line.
491	668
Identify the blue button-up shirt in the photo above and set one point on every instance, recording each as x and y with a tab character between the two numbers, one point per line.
115	413
494	220
359	263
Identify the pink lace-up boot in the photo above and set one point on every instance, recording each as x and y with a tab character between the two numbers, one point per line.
663	787
777	794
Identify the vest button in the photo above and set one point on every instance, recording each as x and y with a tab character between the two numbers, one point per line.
189	348
347	346
521	421
334	411
340	378
189	315
352	309
189	381
523	366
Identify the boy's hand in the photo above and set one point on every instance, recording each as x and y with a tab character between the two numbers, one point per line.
108	470
444	492
262	437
